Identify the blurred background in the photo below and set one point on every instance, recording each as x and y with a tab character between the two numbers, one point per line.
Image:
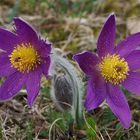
73	26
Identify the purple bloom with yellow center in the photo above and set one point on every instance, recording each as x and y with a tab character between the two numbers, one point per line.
23	60
112	67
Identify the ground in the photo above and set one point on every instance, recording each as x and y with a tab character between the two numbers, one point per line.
72	26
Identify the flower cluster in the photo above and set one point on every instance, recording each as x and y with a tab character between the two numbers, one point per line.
25	57
112	67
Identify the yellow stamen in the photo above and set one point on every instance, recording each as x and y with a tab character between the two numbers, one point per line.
24	58
114	69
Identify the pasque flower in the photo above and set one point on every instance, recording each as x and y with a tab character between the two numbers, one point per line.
110	68
23	60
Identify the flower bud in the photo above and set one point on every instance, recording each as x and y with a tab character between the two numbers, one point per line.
63	92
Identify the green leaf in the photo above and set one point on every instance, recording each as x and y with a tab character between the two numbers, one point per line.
107	117
62	124
44	133
91	130
29	130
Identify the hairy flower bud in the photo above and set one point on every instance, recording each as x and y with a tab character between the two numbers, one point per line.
67	87
63	92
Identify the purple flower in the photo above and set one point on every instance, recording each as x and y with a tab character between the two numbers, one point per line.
112	67
25	57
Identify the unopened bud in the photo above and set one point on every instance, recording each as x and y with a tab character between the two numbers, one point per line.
63	92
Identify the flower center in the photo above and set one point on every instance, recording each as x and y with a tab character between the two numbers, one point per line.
114	69
24	58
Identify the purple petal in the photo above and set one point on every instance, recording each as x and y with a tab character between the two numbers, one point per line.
96	93
44	48
26	33
45	65
5	66
128	45
33	85
133	60
87	62
12	86
106	38
132	83
118	104
8	40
